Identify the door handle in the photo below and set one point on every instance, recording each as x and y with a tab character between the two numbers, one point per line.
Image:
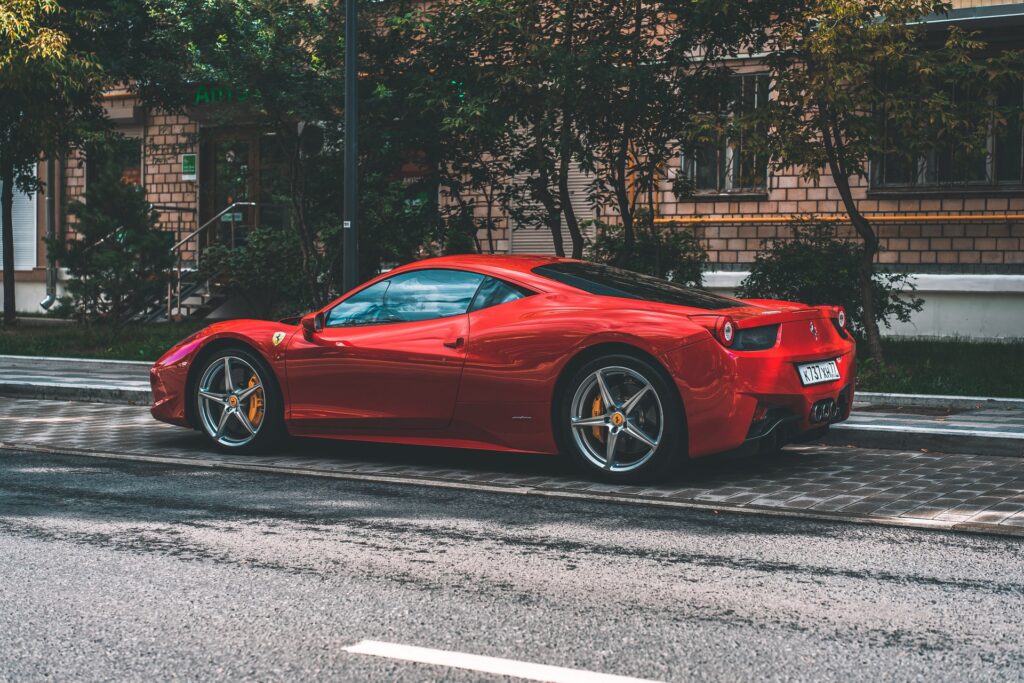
456	344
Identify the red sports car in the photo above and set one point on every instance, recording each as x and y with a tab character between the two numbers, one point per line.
628	374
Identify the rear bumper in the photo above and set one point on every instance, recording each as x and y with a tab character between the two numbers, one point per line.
732	397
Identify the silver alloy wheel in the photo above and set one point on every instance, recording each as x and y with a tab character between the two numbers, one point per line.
230	397
616	418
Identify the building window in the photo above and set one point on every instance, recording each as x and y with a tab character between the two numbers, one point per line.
728	164
123	153
26	237
947	166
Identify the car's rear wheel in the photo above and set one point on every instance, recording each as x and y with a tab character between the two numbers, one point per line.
621	420
237	401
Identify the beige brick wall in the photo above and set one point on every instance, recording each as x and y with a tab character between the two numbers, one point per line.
165	138
935	236
961	4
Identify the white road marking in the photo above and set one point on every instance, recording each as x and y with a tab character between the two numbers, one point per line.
491	665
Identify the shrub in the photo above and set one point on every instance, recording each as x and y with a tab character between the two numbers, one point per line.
265	273
121	262
816	267
669	251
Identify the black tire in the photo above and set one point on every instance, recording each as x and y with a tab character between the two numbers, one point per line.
633	460
265	402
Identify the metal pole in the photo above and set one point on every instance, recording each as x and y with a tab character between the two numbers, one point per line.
350	276
51	232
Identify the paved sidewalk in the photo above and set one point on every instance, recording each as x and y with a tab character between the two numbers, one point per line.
984	430
989	431
945	491
75	379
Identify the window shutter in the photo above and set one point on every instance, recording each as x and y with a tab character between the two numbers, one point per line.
25	231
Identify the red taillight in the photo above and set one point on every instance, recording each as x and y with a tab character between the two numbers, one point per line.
841	316
725	331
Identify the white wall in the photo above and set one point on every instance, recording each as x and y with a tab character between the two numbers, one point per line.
970	306
27	296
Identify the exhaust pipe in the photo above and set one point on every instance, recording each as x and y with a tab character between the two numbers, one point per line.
825	410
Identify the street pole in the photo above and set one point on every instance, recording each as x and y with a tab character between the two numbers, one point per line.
350	274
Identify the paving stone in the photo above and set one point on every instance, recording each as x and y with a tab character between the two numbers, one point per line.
885	485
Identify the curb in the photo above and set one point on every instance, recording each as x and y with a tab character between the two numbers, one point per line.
64	392
515	489
901	438
937	401
15	357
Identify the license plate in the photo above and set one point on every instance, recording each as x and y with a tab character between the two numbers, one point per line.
816	373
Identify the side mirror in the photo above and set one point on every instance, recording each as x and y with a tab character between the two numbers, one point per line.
311	323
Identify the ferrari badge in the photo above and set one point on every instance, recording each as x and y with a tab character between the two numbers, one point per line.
277	338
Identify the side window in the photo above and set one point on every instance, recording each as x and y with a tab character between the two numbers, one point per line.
408	297
494	291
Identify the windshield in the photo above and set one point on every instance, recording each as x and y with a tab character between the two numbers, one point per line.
602	280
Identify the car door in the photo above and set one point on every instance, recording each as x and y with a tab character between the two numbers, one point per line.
388	357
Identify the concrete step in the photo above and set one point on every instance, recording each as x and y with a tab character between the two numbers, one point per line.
75	379
989	431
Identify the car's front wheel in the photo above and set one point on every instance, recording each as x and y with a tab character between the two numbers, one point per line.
237	401
621	420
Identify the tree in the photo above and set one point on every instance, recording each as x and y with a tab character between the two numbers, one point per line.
610	87
816	266
856	82
285	57
502	74
122	260
49	100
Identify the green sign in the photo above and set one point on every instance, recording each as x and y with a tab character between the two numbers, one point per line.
212	94
188	166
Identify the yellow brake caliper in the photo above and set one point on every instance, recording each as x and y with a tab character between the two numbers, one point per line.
595	410
255	403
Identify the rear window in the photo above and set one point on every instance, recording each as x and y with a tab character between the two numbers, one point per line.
602	280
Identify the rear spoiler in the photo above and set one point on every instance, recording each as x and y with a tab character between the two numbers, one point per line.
723	326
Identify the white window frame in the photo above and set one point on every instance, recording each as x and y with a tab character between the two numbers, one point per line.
26	251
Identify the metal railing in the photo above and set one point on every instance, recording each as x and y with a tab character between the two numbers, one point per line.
174	288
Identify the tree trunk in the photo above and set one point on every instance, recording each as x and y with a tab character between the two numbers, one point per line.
565	145
554	221
621	180
307	244
867	280
552	211
870	245
6	208
565	199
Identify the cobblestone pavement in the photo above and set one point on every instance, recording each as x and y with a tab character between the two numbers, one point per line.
947	491
989	427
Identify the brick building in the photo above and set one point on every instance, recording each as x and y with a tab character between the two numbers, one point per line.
959	230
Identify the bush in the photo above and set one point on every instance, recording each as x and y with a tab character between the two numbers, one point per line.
121	262
265	273
816	267
669	251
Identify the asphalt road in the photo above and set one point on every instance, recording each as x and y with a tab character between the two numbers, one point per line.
121	570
